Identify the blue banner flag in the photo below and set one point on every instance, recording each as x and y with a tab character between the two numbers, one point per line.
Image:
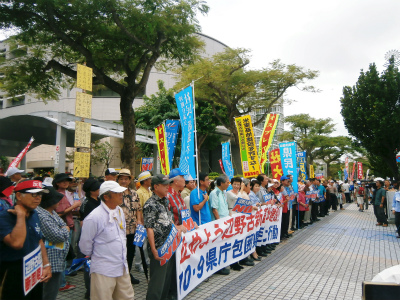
289	161
187	220
184	101
170	245
302	164
171	130
140	235
226	159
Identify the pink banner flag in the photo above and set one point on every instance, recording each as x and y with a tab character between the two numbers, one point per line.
18	159
360	171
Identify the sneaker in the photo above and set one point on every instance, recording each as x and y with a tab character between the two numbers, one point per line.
290	232
134	280
67	287
385	225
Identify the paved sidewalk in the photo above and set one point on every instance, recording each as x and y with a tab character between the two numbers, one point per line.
327	260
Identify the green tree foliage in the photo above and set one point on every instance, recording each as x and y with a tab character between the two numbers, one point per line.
120	40
371	110
225	80
162	106
309	133
313	135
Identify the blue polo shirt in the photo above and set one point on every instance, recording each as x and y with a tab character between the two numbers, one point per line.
33	235
321	192
204	212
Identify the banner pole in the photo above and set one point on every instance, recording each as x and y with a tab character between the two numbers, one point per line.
197	154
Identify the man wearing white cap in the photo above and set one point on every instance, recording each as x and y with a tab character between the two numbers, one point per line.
144	192
110	175
14	174
103	238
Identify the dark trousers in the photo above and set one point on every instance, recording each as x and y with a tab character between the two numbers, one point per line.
285	223
380	214
13	287
348	199
294	216
130	250
397	221
160	278
314	211
50	288
334	201
301	217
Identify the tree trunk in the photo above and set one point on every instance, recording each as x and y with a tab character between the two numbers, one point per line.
392	165
128	155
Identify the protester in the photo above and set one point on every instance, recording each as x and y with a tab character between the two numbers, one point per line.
6	189
346	191
64	209
91	187
321	198
110	175
14	174
234	193
144	193
264	180
379	199
158	221
332	191
20	235
199	208
219	205
103	238
56	237
190	185
285	192
360	190
396	211
176	203
133	216
302	203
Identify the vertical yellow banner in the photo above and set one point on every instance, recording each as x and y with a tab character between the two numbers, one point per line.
83	106
82	134
84	77
81	164
312	175
162	148
248	149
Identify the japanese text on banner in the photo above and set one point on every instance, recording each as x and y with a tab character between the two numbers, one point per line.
360	170
170	245
83	105
289	161
184	101
220	243
267	137
84	77
32	269
172	130
82	134
226	159
276	165
162	148
243	206
140	235
302	164
147	164
248	149
81	164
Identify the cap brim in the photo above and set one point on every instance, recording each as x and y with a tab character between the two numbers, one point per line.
32	191
119	189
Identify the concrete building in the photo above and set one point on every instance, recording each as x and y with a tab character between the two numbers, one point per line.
105	107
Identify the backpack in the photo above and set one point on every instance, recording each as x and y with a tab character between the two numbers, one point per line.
361	191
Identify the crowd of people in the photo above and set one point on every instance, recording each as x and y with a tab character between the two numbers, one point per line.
97	219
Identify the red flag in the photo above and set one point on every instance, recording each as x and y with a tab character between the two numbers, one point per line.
360	171
18	159
276	165
352	172
222	166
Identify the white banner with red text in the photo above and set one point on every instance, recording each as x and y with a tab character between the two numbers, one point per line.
220	243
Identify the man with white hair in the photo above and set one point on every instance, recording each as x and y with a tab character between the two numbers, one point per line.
14	174
103	238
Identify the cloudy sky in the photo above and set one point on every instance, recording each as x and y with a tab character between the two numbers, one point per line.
338	38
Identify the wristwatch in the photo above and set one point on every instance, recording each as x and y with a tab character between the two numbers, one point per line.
46	265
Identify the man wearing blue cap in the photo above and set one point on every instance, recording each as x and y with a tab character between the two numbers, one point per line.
176	203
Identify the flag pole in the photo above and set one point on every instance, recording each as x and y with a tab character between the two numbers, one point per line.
196	152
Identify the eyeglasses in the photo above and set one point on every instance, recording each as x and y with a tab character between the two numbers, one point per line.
34	195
